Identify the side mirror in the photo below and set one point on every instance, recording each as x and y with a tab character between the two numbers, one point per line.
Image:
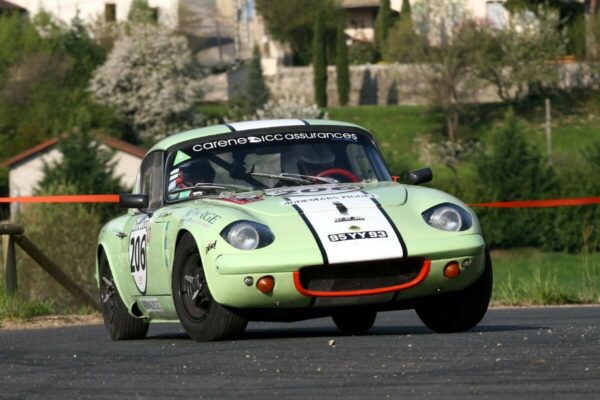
127	200
419	176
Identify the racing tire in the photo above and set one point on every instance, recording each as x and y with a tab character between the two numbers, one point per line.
460	311
202	317
117	320
354	322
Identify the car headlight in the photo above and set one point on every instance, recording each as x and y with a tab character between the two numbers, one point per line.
448	217
247	235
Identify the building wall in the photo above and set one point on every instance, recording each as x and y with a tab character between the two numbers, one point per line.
24	177
89	10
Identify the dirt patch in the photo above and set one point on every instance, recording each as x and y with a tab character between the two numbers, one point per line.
52	321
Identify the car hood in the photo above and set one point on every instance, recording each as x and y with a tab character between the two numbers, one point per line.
341	198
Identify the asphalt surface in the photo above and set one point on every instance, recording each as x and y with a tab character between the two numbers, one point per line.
537	353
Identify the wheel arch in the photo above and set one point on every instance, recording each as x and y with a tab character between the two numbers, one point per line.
119	281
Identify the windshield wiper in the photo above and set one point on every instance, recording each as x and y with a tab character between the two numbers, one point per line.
210	186
281	177
319	178
305	179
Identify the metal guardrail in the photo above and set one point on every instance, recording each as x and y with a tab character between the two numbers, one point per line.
15	234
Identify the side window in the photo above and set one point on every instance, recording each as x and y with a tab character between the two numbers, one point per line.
151	175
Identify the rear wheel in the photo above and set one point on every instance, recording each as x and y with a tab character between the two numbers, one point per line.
460	311
118	322
354	322
201	316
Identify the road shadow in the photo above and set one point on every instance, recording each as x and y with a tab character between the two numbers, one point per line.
328	332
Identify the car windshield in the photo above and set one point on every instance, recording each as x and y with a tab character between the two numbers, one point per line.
269	160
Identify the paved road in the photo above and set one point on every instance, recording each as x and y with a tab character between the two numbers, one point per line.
520	353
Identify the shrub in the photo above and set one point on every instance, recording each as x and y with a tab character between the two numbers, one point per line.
87	168
257	92
361	53
67	234
513	169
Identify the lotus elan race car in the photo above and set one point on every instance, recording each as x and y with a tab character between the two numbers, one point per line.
284	220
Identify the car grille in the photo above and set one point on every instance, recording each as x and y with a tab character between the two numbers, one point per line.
362	278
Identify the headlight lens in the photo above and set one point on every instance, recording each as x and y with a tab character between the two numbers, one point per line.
247	235
448	217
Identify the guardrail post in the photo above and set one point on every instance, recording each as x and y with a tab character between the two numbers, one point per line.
7	231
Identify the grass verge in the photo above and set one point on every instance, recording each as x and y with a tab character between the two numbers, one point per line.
534	277
16	309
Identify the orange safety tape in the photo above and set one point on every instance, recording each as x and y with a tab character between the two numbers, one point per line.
580	201
87	198
114	198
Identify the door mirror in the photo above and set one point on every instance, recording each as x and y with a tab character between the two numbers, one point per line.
419	176
127	200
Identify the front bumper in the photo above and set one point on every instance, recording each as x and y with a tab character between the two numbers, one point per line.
228	287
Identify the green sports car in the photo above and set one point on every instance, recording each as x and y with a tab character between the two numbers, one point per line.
284	220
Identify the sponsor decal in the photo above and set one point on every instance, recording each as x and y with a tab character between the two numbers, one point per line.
203	217
150	304
272	138
318	199
313	190
240	198
180	157
211	246
137	252
342	237
348	219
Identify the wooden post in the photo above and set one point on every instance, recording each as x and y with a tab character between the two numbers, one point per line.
54	270
7	231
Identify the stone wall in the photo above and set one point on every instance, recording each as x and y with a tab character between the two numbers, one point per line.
370	84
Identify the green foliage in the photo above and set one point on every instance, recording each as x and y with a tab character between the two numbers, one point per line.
404	45
86	167
362	53
574	229
44	79
515	59
513	169
383	24
71	245
257	92
18	38
406	10
320	61
292	22
140	12
341	67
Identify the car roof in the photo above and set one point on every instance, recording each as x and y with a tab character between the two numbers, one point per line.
208	131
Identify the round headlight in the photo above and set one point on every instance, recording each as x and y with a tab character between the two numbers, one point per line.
247	235
243	236
446	219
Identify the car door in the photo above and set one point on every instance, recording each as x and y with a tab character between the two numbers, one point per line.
144	249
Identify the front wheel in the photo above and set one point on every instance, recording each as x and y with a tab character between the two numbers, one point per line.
460	311
202	317
118	322
354	322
